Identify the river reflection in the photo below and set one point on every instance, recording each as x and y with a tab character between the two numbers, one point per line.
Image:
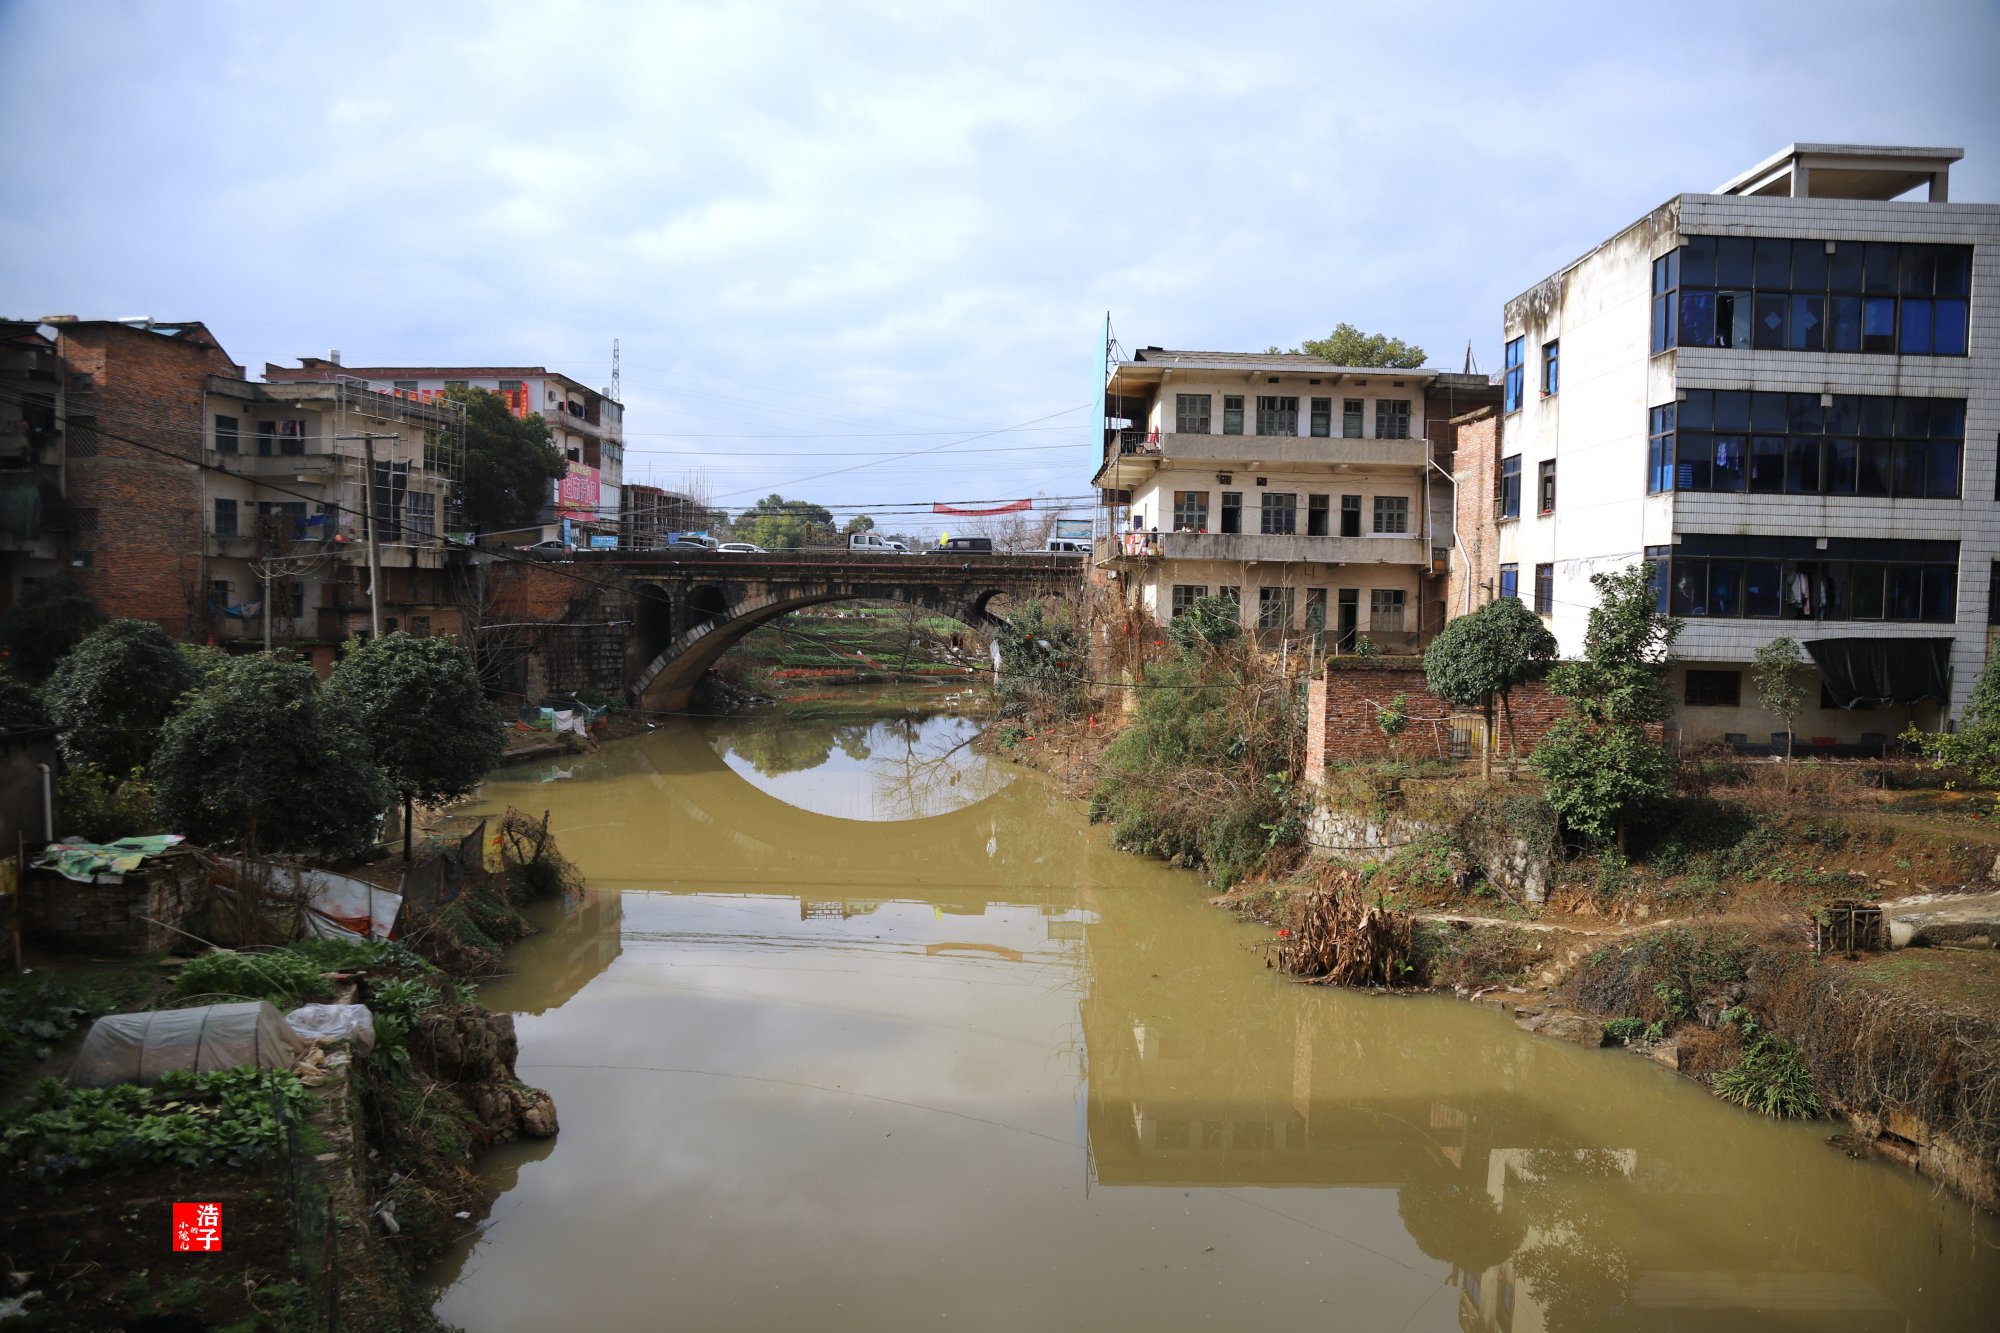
977	1068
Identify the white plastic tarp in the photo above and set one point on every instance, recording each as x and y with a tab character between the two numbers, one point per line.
342	907
138	1048
335	1022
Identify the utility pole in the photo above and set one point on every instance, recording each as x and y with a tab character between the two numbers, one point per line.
368	439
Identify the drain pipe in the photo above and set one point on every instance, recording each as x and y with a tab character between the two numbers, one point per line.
48	806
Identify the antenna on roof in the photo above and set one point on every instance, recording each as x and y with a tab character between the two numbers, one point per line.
1471	363
618	397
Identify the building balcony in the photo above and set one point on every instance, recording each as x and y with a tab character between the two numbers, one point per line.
1262	548
313	465
1142	453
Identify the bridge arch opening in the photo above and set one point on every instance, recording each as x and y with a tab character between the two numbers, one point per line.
653	617
706	605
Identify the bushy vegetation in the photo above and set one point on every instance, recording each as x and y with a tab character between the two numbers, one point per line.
1972	750
227	1117
285	978
110	694
50	617
1770	1078
1043	668
103	806
37	1013
1228	725
1480	658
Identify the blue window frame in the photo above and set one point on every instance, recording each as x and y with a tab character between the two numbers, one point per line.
1660	450
1510	581
1769	292
1508	503
1550	352
1666	300
1515	377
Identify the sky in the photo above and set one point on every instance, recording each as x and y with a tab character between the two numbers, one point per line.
827	235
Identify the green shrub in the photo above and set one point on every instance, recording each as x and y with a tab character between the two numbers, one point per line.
396	1006
279	975
37	1012
1770	1078
1624	1029
228	1117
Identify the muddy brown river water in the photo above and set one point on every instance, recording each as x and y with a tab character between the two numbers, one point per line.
857	1029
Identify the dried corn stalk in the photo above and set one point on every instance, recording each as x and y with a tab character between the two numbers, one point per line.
1339	939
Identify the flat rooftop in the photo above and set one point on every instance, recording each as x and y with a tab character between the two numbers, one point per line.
1848	171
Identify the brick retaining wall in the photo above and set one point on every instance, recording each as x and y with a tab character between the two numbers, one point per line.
1342	708
114	917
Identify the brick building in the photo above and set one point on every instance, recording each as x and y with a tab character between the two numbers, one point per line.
34	517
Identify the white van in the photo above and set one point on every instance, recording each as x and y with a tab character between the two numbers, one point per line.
1068	546
875	543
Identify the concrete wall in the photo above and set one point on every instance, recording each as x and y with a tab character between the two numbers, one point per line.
1343	712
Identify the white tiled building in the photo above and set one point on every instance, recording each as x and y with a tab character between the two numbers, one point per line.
1301	489
1785	394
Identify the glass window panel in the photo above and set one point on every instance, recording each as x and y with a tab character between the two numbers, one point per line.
1768	321
1661	282
1688	591
1808	324
1833	591
1768	412
1804	415
1767	464
1697	317
1878	270
1842	459
1697	410
1938	592
1843	266
1913	416
1727	474
1673	259
1725	588
1919	269
1843	418
1912	462
1954	270
1322	417
1868	601
1693	471
1698	262
1843	324
1906	592
1914	334
1774	262
1947	418
1878	324
1738	333
1809	266
1760	588
1948	337
1732	409
1733	266
1802	476
1878	414
1795	588
1872	477
1942	484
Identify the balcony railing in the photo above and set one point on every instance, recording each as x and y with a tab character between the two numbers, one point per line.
1138	453
1265	548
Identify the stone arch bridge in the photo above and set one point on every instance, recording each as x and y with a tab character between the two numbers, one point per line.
688	610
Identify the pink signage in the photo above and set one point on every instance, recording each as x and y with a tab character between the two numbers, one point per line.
576	496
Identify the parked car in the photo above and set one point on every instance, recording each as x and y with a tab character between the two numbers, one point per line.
550	549
963	546
874	543
742	548
687	548
1068	546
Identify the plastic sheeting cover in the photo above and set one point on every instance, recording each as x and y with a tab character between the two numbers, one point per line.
335	1022
138	1048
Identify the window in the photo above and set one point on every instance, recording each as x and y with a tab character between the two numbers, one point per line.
1514	380
1510	581
1385	610
1545	590
294	594
1808	444
1316	515
1809	578
420	516
281	437
1508	503
1813	295
1186	595
1281	513
1350	516
1191	413
1993	595
406	386
420	626
1277	416
1350	418
1315	609
218	594
1550	352
281	520
1713	689
1230	592
1232	414
1656	575
1274	608
1190	511
1322	417
225	518
1545	488
1392	513
1232	511
1392	418
228	437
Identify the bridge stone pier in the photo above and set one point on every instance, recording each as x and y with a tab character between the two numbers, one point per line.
683	612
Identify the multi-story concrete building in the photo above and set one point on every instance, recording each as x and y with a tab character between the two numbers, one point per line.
34	518
1784	396
1301	489
587	425
647	514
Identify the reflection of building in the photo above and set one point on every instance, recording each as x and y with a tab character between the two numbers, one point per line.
587	425
567	956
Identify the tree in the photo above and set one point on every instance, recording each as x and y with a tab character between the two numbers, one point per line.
257	758
1349	346
21	708
418	704
778	524
1775	669
1207	620
1600	761
509	463
51	617
110	694
860	523
1480	658
1973	749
